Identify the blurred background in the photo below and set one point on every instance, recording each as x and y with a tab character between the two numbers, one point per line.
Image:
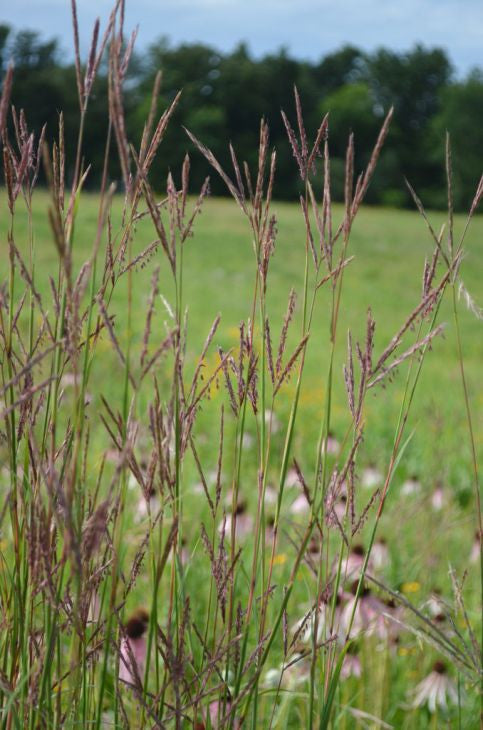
237	61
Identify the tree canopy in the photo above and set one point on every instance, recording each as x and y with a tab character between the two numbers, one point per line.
225	94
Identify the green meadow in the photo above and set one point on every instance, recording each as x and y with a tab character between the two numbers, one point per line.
388	249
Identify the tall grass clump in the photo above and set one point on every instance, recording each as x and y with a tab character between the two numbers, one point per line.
170	556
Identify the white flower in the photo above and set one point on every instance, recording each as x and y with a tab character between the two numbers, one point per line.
269	530
212	476
271	417
303	630
299	505
368	614
69	380
438	498
352	564
271	495
145	507
442	622
434	604
351	666
333	446
313	553
475	549
132	482
244	525
219	709
272	678
305	627
198	488
380	555
371	477
411	486
387	624
292	479
183	554
340	507
436	690
113	456
296	671
247	441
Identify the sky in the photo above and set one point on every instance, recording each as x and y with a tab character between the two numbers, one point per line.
309	29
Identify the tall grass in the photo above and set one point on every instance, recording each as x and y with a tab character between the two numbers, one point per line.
211	643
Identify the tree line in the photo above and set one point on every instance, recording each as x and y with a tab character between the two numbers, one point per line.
225	94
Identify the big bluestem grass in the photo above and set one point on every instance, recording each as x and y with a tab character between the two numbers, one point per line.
216	623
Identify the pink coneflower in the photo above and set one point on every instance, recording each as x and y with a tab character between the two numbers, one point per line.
368	616
147	505
272	677
340	507
271	495
219	709
436	690
229	498
342	491
314	549
69	380
380	554
269	529
113	456
476	549
443	623
333	446
244	523
411	486
386	625
351	666
296	671
293	672
371	477
305	627
434	603
184	553
132	662
292	478
271	417
211	478
300	505
352	565
303	630
438	498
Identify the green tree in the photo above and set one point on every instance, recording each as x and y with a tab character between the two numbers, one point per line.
412	83
460	114
351	109
225	94
345	66
4	57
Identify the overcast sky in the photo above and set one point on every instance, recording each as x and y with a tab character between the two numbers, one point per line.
308	28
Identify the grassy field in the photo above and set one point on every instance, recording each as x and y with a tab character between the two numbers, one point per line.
389	249
424	539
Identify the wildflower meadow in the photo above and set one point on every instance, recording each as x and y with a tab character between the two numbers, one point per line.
239	438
